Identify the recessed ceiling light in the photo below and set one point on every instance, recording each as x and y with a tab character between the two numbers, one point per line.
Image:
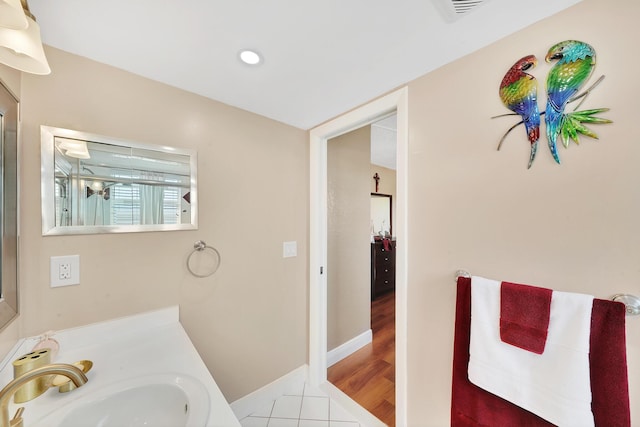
250	57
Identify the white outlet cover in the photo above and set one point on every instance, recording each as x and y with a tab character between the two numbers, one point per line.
73	261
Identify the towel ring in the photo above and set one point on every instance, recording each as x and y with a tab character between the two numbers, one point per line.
200	246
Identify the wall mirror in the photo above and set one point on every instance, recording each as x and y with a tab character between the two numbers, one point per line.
96	184
381	220
8	207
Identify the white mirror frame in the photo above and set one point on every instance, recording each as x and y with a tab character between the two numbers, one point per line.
49	228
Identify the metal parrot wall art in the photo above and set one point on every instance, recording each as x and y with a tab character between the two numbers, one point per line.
574	65
519	93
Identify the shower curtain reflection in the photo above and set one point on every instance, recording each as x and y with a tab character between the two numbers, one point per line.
97	205
97	213
151	204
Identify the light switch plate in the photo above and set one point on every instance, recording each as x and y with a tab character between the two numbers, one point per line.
65	270
289	249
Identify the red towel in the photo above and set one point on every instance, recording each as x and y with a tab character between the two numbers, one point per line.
524	316
608	364
472	406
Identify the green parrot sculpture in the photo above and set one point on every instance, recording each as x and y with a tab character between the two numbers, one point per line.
576	61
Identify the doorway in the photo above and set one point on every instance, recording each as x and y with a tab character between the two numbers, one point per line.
361	183
367	114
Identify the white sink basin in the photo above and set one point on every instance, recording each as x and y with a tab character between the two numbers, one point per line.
163	400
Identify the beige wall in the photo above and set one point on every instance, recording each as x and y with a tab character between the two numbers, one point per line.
249	320
571	227
348	245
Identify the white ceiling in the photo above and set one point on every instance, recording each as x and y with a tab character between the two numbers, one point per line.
322	57
383	142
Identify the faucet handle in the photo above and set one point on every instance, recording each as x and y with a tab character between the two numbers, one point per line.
17	421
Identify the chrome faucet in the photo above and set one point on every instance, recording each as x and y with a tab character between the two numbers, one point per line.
73	373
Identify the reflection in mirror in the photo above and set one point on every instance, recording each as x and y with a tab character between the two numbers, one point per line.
9	207
381	220
94	184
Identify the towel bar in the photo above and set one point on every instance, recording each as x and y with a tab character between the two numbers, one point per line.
631	302
462	273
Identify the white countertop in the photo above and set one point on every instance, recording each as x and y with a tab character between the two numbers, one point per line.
120	349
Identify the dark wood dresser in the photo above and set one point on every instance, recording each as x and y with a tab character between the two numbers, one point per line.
383	268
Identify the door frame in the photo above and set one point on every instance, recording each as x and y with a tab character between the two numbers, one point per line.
318	136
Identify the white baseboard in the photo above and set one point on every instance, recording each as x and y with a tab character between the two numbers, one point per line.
289	384
351	346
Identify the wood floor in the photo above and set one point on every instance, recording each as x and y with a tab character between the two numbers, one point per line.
368	375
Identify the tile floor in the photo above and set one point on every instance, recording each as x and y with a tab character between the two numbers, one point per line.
309	408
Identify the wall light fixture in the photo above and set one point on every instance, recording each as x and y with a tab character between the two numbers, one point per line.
11	15
20	43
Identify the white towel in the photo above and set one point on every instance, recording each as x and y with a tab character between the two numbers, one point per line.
555	385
